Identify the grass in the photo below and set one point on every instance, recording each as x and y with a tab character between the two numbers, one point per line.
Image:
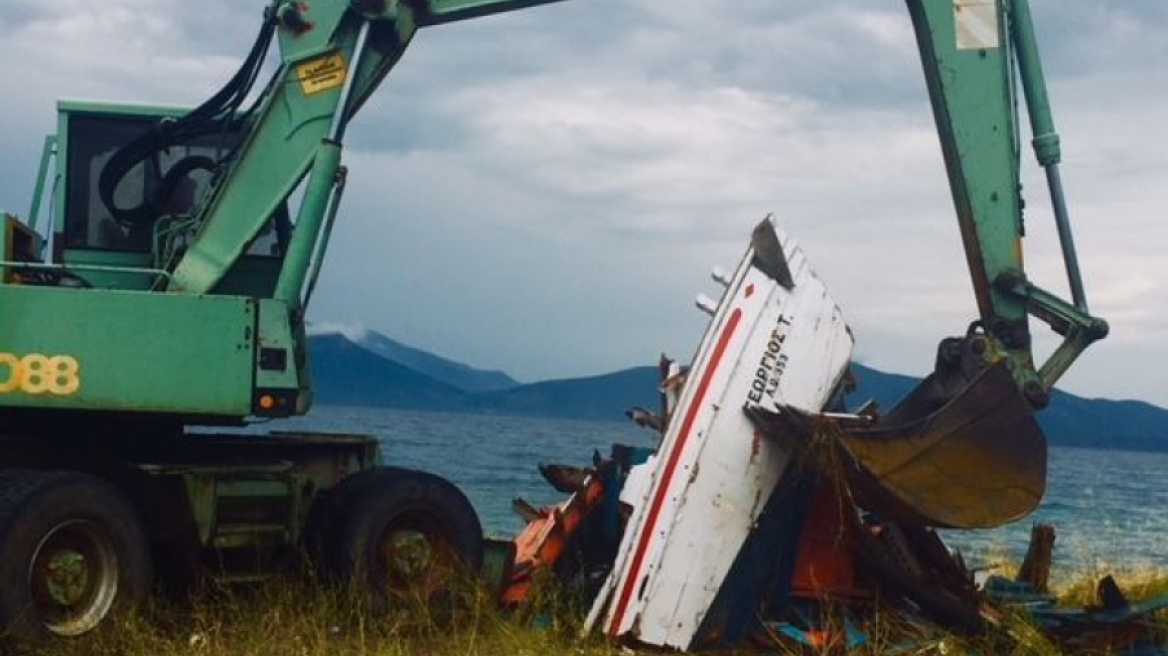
295	617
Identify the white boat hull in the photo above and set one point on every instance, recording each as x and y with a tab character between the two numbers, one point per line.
699	499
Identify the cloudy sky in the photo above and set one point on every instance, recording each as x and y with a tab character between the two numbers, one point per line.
545	192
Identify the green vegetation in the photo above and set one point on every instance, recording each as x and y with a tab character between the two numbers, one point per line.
295	617
292	617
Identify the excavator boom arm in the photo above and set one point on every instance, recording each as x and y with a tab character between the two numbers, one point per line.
964	448
333	56
972	53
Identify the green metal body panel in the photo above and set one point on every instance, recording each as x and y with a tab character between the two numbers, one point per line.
118	269
974	112
281	360
134	351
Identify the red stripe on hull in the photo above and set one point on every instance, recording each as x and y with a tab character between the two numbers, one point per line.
663	488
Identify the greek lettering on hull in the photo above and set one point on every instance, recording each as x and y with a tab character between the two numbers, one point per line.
771	365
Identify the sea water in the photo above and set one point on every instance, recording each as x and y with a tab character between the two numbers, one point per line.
1107	507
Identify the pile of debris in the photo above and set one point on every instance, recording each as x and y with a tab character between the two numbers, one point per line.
768	514
817	573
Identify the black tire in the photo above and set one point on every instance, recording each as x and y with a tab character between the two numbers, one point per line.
405	534
72	551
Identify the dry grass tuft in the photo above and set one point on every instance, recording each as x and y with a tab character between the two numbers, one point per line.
298	617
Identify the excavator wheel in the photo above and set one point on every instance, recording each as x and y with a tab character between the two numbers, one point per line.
404	536
72	552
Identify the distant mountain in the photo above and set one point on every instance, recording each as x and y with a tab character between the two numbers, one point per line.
596	397
1130	425
884	388
1070	420
374	372
366	368
452	373
344	373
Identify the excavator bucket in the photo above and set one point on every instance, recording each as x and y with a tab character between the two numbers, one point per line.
977	461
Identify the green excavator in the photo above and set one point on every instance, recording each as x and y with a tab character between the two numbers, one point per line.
165	296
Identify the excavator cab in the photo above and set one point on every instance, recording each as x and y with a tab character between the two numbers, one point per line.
93	138
108	251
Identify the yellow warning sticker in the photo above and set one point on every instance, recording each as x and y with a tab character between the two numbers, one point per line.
321	74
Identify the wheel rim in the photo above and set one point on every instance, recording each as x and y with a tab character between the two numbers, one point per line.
416	557
73	577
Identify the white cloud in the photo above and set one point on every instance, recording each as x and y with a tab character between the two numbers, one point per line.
354	332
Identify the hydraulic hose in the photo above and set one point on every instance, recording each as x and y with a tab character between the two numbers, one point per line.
219	113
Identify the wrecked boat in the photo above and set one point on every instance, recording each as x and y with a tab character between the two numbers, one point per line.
776	340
